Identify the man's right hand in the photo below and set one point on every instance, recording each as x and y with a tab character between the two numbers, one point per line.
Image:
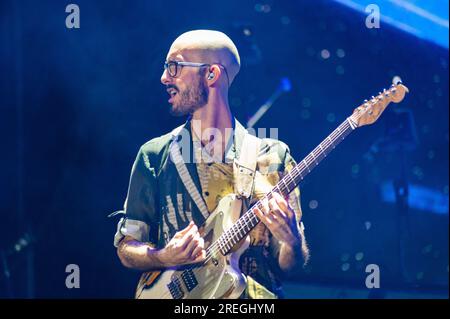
186	247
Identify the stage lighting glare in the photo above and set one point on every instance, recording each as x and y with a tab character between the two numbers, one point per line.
306	102
313	204
305	114
325	54
359	256
340	53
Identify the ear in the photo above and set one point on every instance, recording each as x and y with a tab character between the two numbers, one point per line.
213	74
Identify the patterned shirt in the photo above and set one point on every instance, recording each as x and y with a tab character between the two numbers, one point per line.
158	205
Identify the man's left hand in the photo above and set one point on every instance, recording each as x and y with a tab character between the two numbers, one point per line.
280	219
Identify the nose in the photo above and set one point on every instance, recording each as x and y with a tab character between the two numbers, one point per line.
165	78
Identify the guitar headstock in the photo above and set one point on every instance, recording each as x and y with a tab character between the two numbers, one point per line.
368	112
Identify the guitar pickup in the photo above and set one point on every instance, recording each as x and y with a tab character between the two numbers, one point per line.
189	279
175	289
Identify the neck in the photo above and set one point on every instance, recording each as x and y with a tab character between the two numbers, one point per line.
216	115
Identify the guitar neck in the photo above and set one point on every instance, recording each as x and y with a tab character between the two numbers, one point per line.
286	185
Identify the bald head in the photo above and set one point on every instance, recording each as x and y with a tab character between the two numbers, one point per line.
208	46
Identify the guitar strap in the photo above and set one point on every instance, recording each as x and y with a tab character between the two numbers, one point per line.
244	168
183	172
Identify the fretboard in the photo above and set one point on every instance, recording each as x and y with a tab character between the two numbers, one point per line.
286	185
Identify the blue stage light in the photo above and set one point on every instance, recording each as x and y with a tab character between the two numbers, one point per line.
426	19
420	198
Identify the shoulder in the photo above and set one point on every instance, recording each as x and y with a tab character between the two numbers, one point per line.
152	153
156	145
273	155
274	146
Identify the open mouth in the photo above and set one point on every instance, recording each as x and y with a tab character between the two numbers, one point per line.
172	92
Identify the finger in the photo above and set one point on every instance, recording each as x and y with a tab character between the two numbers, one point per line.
201	256
200	245
186	229
285	207
197	251
192	231
277	195
264	207
283	203
189	237
262	217
276	211
192	245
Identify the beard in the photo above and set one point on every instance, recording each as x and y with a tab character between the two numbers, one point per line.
190	99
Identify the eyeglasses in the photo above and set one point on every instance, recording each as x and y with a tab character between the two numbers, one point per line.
172	66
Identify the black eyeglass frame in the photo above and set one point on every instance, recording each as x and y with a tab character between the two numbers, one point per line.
192	64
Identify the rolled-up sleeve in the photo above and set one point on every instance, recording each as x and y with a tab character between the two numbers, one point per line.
140	205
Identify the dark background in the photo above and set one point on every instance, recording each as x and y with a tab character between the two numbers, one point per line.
76	104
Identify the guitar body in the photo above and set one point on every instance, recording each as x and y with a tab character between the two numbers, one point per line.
219	277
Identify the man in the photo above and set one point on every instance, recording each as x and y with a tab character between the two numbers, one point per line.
161	227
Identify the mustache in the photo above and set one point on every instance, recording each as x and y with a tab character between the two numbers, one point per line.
172	86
